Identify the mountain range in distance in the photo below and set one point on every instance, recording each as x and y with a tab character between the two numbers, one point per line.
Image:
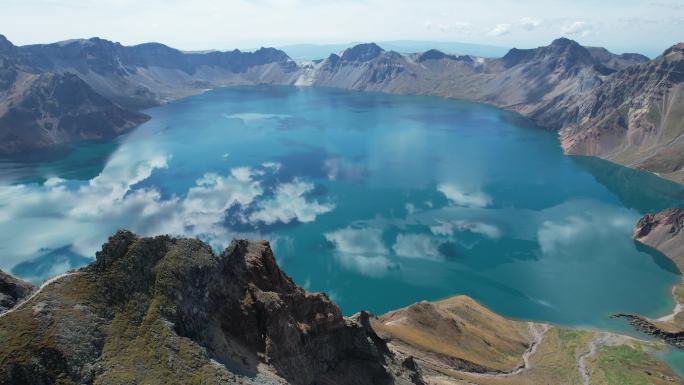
625	108
310	52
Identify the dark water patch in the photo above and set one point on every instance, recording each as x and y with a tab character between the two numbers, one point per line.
50	263
636	189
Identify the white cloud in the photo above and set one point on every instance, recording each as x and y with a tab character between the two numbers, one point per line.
57	214
500	29
417	246
577	28
340	168
528	23
460	197
554	235
357	241
205	204
361	250
373	266
255	116
448	228
290	203
275	166
458	26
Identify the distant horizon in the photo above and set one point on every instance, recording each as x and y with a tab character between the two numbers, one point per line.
439	44
643	26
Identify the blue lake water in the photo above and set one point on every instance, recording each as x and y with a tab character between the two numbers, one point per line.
379	200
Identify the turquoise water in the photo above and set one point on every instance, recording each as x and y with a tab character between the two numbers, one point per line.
378	200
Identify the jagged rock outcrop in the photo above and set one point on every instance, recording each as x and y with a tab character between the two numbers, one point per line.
615	62
164	310
642	324
12	291
664	231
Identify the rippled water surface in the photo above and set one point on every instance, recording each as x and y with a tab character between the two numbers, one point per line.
378	200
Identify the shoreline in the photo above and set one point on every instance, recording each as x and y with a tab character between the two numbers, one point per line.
662	232
507	108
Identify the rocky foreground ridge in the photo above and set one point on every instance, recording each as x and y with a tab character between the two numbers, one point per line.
170	311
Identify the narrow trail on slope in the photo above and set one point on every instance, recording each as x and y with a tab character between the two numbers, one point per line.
38	291
537	331
601	338
582	360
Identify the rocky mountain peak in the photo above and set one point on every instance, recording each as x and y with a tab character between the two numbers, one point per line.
238	306
561	52
563	42
362	52
432	54
5	45
564	47
271	55
676	52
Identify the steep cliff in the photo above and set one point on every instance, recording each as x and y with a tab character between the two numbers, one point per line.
635	117
149	74
49	108
92	89
664	231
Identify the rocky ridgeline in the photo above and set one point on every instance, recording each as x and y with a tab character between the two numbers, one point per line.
164	310
664	231
645	326
93	88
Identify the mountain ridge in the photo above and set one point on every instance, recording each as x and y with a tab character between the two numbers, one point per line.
578	91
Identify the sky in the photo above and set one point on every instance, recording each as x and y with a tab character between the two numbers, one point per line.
645	26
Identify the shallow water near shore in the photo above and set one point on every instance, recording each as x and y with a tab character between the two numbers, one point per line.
379	200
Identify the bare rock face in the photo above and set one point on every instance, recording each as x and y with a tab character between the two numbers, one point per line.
92	88
169	311
664	231
12	291
634	117
53	108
